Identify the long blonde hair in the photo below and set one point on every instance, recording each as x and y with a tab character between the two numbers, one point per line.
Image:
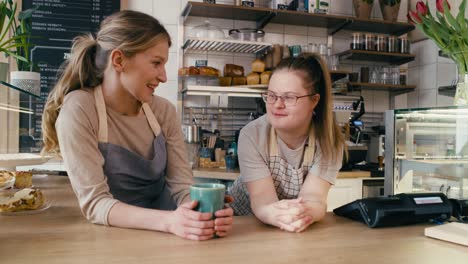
129	31
316	79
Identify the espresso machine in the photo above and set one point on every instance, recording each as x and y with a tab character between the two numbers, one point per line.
348	111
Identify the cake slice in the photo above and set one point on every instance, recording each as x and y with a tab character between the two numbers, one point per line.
23	179
25	199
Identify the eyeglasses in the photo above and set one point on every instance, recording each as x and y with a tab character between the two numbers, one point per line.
288	99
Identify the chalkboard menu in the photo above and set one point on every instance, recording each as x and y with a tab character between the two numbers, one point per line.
56	23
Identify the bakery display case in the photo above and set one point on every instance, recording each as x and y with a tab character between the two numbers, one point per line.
426	150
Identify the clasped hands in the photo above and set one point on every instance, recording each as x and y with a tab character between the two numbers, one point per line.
293	215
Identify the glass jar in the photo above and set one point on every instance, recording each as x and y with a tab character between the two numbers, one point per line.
369	42
381	43
393	44
404	45
403	73
357	41
395	75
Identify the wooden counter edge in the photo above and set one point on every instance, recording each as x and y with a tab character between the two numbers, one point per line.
222	174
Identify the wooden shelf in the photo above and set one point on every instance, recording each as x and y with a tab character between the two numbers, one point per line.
308	19
263	16
382	87
375	56
198	9
379	26
337	75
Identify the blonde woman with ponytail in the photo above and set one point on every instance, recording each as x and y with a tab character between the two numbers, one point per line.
290	157
123	150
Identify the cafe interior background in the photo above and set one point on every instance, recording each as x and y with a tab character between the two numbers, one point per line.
227	109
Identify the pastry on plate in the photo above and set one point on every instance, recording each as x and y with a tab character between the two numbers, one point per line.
7	179
24	199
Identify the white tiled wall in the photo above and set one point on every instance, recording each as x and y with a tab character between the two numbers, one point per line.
429	72
168	12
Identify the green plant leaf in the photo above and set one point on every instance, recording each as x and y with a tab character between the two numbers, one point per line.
461	15
450	19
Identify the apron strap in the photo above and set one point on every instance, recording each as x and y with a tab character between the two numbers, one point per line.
102	115
153	122
309	151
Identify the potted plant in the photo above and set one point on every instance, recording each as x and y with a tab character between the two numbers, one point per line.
7	44
27	77
449	33
15	42
363	8
390	9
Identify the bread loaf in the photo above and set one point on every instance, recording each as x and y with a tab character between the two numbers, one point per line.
225	81
188	71
239	81
208	71
233	70
265	77
277	54
257	66
269	60
24	199
253	78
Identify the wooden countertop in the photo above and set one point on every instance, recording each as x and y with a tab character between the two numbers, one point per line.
222	174
61	235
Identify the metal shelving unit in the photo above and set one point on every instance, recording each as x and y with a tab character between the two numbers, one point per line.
375	56
224	45
237	91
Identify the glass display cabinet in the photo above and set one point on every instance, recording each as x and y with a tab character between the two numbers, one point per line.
20	127
426	150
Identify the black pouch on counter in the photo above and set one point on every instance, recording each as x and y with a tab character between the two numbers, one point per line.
460	210
396	210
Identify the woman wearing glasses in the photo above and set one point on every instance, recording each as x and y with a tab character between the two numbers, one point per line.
289	158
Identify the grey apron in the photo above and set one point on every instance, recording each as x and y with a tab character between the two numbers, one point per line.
133	179
287	179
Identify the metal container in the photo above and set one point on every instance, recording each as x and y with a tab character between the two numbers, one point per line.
192	133
247	34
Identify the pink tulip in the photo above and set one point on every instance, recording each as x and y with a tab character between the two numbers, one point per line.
440	5
415	17
410	19
421	8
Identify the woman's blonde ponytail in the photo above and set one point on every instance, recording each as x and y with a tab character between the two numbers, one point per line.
129	31
79	71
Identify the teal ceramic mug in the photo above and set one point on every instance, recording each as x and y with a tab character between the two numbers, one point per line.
210	196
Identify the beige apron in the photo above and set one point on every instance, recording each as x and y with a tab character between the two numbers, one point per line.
287	179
